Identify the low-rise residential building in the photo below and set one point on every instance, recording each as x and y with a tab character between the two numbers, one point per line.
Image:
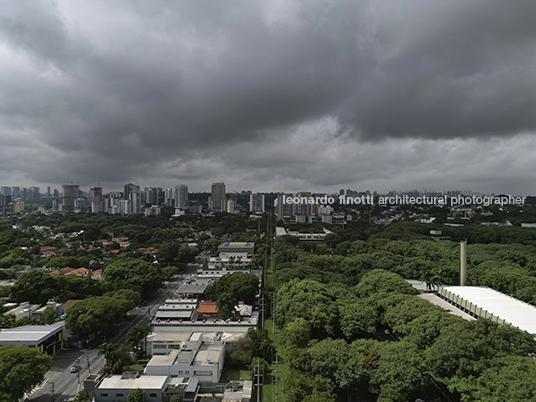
39	314
97	275
79	272
48	251
25	309
62	271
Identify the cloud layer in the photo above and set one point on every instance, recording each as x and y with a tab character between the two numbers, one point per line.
272	95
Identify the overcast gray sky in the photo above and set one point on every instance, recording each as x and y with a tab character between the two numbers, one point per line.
271	95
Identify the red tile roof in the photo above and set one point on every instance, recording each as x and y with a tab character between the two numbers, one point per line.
69	303
79	271
207	307
62	271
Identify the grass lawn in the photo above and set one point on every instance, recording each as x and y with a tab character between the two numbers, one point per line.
235	374
268	392
135	367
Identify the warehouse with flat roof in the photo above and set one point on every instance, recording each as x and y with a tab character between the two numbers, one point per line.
45	338
489	303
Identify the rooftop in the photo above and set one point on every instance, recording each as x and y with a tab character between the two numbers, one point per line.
70	303
207	307
145	382
235	245
208	354
184	384
169	336
197	287
178	314
511	310
29	333
164	360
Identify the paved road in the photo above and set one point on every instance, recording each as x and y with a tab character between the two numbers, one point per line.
61	384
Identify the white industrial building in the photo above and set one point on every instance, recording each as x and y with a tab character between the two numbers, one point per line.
236	249
195	358
488	303
223	261
117	388
177	309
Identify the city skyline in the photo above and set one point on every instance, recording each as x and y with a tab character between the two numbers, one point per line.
271	97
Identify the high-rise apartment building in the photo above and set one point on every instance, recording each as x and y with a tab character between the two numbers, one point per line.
153	196
136	202
181	197
169	198
256	203
95	199
5	200
129	189
70	193
218	197
15	193
34	194
284	210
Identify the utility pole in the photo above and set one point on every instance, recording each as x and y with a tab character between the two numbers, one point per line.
88	365
52	393
258	375
273	313
276	371
262	311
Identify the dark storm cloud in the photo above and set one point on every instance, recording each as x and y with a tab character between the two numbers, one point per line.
118	90
452	69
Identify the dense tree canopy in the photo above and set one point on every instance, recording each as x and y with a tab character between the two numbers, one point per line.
100	313
21	368
132	273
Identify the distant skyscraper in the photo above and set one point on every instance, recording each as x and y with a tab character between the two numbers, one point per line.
136	202
129	188
70	193
181	197
218	197
229	206
5	200
5	190
15	193
256	203
169	198
95	199
34	194
284	211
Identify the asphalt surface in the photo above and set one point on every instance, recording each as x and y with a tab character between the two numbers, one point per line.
61	384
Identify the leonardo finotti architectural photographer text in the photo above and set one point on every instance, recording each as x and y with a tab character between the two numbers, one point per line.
408	200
